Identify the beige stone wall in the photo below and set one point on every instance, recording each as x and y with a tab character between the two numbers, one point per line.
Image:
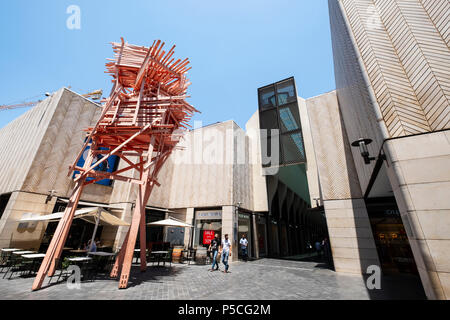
242	174
189	233
351	237
61	143
259	184
419	172
192	177
29	235
311	165
20	140
406	60
229	222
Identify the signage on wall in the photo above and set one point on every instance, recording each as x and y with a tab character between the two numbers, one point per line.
208	235
209	215
244	216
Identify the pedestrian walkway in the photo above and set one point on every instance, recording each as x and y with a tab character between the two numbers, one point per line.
265	279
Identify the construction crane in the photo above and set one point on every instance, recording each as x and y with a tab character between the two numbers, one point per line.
94	95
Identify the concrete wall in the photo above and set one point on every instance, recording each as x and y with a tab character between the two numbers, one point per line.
37	149
391	67
229	223
208	171
351	237
20	141
419	172
192	177
259	184
311	165
29	235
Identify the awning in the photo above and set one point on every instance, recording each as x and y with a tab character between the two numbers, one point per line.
170	222
87	214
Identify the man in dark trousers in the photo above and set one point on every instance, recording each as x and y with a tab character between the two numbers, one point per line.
244	247
214	248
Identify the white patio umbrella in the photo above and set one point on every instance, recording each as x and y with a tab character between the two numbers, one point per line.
172	222
95	215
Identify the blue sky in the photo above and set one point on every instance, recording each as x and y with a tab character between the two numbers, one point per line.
234	47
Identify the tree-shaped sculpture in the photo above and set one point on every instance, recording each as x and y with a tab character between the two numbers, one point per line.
140	121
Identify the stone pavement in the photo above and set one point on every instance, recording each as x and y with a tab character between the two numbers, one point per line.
265	279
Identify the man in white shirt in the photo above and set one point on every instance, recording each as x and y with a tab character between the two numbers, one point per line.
244	245
226	252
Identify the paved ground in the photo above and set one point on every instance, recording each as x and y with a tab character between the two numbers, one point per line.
267	279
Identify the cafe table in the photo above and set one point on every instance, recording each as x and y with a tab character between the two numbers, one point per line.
34	257
23	252
10	249
102	259
159	255
79	259
101	253
6	253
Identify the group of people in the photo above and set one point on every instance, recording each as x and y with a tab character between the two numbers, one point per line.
223	248
323	249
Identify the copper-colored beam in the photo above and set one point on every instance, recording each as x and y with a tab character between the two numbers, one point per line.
146	105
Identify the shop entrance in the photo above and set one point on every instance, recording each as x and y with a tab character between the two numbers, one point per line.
245	228
392	243
208	223
261	229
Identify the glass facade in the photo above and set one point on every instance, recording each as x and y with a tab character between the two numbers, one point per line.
207	225
278	109
261	228
245	227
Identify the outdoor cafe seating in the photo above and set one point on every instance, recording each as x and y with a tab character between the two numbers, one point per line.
14	261
22	262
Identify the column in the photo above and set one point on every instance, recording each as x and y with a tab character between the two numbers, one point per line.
229	226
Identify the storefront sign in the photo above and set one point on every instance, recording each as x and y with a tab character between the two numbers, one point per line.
209	215
208	235
244	216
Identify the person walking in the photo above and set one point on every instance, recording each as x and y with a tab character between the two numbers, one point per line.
214	249
226	252
244	247
318	246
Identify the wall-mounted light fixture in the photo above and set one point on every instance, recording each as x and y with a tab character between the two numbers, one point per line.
317	201
362	144
50	196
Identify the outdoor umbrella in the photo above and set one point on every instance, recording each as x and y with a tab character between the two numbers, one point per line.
172	222
95	215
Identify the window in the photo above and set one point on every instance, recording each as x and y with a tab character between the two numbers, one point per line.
267	97
286	92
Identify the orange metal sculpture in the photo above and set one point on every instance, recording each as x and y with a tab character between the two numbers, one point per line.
139	119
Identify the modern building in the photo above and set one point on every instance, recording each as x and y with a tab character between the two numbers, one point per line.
392	67
215	181
367	165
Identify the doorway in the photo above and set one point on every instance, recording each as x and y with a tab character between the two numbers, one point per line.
394	250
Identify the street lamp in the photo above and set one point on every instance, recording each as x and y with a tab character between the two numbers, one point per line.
362	144
50	196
